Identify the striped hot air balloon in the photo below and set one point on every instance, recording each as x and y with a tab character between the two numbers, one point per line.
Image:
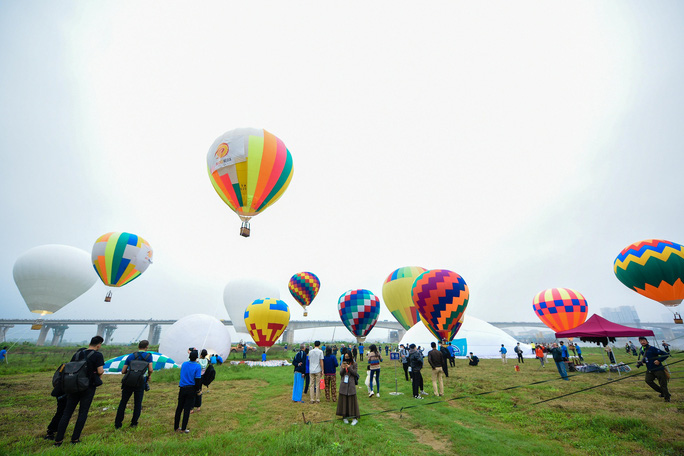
266	319
250	169
396	292
653	268
359	311
120	258
441	297
560	308
304	287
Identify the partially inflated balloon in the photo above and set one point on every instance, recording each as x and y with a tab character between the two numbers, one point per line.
266	319
250	169
653	268
51	276
239	293
441	297
396	292
304	287
198	331
359	311
119	258
560	308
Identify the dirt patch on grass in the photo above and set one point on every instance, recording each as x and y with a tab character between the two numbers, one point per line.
435	441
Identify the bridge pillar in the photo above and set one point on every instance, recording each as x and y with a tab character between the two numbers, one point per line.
3	332
154	334
400	334
106	331
58	334
288	336
43	335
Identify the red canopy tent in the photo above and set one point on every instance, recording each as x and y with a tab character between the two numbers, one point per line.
599	330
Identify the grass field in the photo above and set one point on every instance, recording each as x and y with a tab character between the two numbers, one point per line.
489	410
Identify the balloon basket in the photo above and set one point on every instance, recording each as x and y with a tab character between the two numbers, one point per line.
108	297
244	229
678	319
306	313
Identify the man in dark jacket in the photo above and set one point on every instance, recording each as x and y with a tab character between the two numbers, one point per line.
437	362
653	358
446	355
557	354
415	360
138	391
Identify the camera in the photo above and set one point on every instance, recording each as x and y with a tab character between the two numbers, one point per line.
639	364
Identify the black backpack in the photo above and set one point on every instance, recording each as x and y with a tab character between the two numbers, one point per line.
57	381
135	375
75	377
209	375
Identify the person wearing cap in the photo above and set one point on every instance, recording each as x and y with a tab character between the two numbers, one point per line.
653	359
189	386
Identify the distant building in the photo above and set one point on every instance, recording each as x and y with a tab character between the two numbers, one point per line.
623	315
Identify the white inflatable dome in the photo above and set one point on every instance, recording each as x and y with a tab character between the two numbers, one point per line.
483	339
198	331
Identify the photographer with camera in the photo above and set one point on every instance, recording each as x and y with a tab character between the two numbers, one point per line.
653	359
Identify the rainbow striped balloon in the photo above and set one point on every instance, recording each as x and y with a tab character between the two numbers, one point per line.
560	308
304	287
653	268
266	319
119	258
396	292
441	297
359	311
250	169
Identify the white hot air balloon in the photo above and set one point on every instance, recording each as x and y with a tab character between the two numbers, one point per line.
198	331
51	276
240	293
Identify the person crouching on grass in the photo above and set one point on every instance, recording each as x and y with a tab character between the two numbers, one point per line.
189	387
347	404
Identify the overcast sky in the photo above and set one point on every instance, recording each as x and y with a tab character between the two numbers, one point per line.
521	145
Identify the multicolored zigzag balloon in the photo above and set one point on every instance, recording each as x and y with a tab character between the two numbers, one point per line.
304	287
441	297
560	308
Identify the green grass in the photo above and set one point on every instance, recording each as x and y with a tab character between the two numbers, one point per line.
492	410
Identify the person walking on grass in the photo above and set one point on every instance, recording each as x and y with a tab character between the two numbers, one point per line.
653	359
415	360
315	372
579	352
436	361
3	354
541	356
137	390
95	368
519	352
299	363
330	375
189	386
445	356
360	352
503	352
557	354
348	404
374	360
204	363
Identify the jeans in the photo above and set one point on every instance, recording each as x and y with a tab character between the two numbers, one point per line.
83	400
137	405
417	382
375	374
407	374
186	400
560	365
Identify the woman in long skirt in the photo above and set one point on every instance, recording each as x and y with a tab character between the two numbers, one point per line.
347	404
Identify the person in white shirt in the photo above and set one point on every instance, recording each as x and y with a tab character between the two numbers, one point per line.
315	371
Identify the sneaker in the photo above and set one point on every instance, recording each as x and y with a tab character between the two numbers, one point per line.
667	399
49	436
424	393
354	421
370	394
418	397
377	394
346	421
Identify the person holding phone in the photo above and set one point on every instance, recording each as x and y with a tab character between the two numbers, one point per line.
347	403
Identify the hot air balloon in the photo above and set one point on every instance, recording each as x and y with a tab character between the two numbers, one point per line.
266	319
441	297
240	293
560	308
396	292
359	311
250	169
51	276
304	287
120	258
198	331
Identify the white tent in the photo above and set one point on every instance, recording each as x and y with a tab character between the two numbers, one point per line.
483	339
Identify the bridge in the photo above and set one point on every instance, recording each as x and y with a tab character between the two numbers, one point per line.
106	328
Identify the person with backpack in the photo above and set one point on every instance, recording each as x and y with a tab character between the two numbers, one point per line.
374	360
80	378
204	363
189	386
415	360
137	370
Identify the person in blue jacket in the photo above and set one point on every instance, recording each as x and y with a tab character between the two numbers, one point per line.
653	358
189	386
564	351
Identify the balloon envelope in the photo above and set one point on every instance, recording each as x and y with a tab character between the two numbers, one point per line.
250	170
240	293
304	287
441	297
359	311
266	319
396	292
159	361
51	276
653	268
560	308
198	331
119	258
